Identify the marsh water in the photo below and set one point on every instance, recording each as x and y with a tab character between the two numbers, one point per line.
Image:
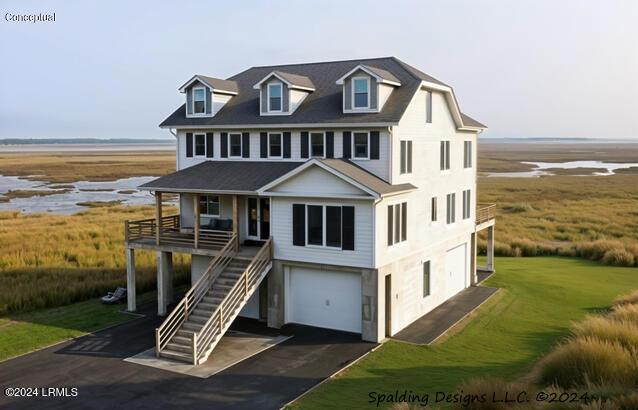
606	168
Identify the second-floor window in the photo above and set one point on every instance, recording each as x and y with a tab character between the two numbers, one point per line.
274	97
361	92
199	100
435	211
235	145
466	204
445	155
397	223
361	142
317	144
450	209
467	154
274	145
200	145
428	107
406	157
209	205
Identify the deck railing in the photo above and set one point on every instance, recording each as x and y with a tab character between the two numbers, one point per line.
485	212
171	233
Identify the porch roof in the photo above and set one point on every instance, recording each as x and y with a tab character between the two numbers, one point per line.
222	176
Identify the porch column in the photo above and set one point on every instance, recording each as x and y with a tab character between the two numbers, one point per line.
490	249
130	280
170	274
473	273
158	216
162	282
236	221
196	219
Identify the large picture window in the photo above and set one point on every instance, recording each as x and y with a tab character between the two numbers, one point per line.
209	205
330	226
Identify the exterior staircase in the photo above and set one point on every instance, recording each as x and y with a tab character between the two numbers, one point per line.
199	321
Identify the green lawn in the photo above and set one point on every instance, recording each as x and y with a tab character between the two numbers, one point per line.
538	300
23	333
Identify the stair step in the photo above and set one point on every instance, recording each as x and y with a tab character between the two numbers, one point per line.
214	298
203	312
182	340
208	306
174	347
193	327
197	319
185	333
181	356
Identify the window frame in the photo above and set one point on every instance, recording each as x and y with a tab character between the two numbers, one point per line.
434	209
206	214
323	143
324	226
281	145
467	154
467	204
450	217
397	215
444	155
428	107
195	154
405	157
427	285
354	99
281	96
354	151
230	145
193	100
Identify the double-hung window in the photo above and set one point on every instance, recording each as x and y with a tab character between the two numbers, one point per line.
235	145
361	143
199	100
428	107
200	145
274	145
450	209
275	91
435	211
427	289
406	157
361	92
317	144
466	204
397	223
467	154
209	205
445	155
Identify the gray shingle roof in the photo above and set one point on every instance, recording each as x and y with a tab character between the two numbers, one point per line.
221	176
364	177
384	74
294	79
219	84
469	121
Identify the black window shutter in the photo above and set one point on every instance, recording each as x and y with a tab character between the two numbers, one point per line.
304	144
347	226
209	145
286	144
330	144
374	144
347	144
299	224
224	144
189	144
263	142
245	144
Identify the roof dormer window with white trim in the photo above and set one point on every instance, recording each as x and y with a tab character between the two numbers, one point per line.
275	92
205	96
199	100
361	92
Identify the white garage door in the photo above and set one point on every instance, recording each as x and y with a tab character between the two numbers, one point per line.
324	299
455	268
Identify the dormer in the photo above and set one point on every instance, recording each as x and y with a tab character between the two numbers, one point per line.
205	96
282	93
366	88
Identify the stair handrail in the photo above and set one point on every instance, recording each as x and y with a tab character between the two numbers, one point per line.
180	313
207	333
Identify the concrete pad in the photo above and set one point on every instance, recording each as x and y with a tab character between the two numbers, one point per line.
232	349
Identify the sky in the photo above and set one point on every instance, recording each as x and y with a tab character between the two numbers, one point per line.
111	69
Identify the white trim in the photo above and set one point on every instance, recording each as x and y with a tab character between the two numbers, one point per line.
241	145
290	85
198	114
219	203
324	226
354	156
281	97
345	126
352	91
379	79
195	146
281	145
323	136
452	104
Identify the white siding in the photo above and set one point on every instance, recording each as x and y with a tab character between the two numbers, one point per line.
384	93
282	235
296	98
316	181
219	100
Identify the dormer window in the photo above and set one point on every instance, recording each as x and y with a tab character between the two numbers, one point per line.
361	92
274	97
199	100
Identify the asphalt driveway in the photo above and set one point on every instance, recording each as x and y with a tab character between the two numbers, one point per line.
93	364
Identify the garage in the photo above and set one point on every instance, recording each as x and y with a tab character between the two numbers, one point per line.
324	298
456	269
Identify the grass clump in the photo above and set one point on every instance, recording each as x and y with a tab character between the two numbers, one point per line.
518	208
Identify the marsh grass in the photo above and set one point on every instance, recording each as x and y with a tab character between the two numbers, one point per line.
588	217
51	260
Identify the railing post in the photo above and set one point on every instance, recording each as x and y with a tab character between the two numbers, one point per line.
125	231
158	216
245	283
197	222
194	348
186	309
221	316
157	342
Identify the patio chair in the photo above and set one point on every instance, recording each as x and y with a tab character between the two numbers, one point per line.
114	297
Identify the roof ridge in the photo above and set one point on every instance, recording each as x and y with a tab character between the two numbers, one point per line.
324	62
408	68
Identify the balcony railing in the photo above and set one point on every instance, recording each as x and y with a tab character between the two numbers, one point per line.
485	213
146	231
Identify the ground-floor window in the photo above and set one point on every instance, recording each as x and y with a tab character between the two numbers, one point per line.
209	205
330	226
